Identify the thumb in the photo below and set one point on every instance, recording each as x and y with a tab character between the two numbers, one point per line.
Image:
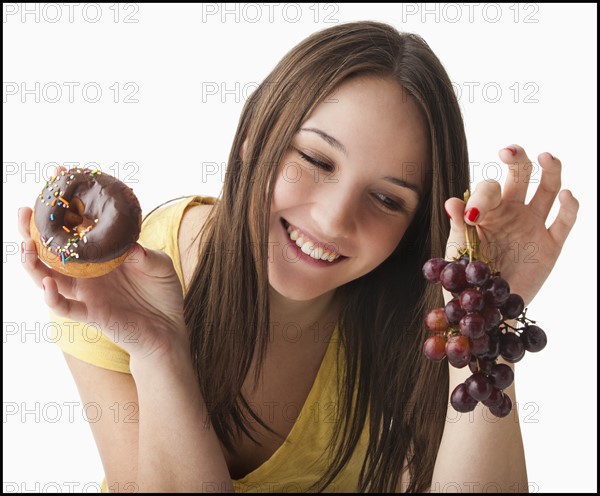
151	262
455	207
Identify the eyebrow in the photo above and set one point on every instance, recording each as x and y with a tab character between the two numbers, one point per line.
338	146
330	139
404	184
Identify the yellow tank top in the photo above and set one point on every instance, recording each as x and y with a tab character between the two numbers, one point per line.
301	459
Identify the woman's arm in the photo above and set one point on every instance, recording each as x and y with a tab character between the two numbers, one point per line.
178	448
112	398
480	452
151	428
478	448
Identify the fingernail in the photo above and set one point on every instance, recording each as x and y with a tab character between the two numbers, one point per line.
512	150
22	247
472	214
449	216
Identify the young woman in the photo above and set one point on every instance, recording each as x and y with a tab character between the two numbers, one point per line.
271	340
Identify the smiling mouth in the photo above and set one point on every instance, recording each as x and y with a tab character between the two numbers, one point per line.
317	252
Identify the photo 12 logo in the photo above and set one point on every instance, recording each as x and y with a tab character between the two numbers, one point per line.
269	12
469	12
68	92
54	13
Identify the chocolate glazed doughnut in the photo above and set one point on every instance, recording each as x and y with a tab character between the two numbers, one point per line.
85	222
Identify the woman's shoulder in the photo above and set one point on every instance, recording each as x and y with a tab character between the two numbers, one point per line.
173	226
192	223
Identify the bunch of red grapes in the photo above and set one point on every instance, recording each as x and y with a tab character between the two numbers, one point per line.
472	329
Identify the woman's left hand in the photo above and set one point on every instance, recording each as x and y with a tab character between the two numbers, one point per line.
514	235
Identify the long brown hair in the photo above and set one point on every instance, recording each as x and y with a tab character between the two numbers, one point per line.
386	378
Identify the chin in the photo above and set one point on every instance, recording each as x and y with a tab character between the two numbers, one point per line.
297	292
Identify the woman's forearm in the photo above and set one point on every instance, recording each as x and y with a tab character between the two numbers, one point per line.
480	452
178	448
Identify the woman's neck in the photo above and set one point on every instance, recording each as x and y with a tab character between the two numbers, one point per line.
302	321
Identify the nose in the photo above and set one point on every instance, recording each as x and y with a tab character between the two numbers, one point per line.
337	212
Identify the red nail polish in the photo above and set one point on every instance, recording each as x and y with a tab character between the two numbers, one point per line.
512	150
472	214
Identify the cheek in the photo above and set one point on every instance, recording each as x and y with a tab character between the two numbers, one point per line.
292	185
380	239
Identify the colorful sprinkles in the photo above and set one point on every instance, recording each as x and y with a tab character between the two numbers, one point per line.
66	251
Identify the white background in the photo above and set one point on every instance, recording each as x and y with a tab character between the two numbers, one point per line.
162	118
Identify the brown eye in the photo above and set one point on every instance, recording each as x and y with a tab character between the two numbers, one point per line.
388	203
316	163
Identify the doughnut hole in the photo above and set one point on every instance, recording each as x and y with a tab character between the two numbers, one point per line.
75	216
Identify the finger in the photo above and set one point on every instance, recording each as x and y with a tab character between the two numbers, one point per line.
58	169
565	220
486	197
519	165
151	262
455	208
61	306
37	270
549	186
24	217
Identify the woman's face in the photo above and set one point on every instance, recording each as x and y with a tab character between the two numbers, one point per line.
351	181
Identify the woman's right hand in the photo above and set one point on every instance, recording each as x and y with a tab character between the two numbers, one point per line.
138	305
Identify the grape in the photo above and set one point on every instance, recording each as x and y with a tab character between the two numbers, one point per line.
479	365
493	348
436	320
453	278
486	365
491	315
464	260
472	325
504	409
461	400
502	375
495	399
458	351
512	348
534	339
480	345
480	308
513	307
479	386
477	273
471	300
496	291
435	348
432	269
454	312
473	364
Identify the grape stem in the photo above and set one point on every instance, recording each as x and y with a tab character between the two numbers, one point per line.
472	240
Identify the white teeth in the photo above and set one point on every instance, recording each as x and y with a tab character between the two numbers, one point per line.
316	253
308	247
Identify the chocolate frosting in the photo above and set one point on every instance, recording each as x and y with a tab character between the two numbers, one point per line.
85	215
